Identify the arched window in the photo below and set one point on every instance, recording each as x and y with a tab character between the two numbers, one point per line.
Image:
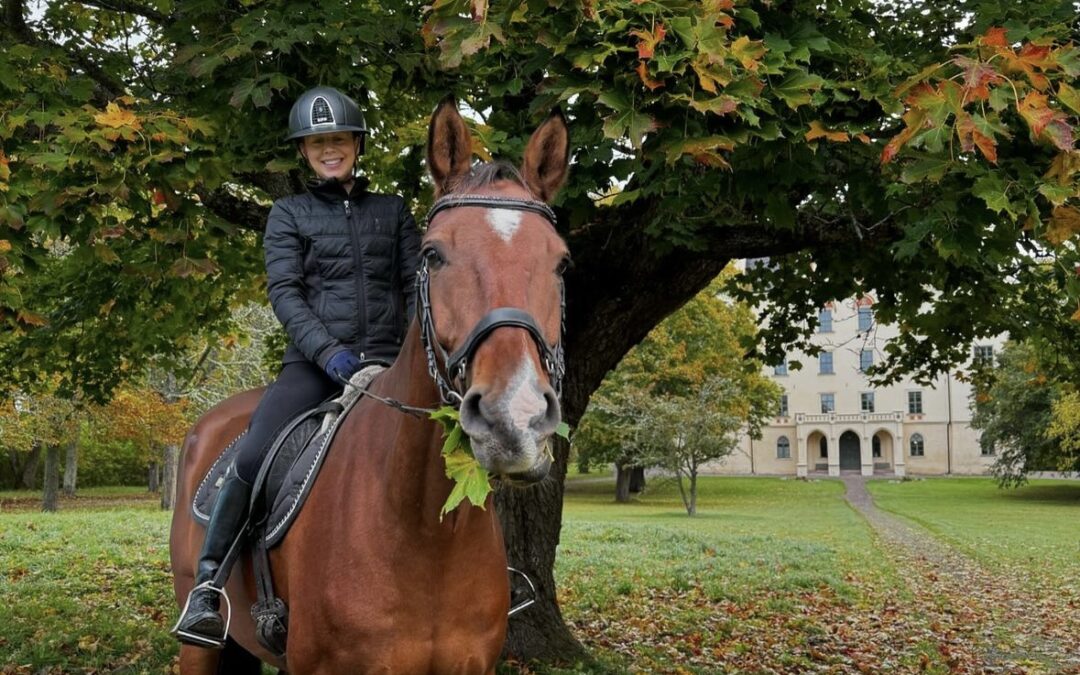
917	447
823	444
783	448
875	446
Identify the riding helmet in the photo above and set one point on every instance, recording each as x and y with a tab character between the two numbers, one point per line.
322	110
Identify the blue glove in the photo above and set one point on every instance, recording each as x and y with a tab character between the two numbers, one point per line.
342	366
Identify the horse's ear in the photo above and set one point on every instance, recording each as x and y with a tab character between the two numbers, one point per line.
547	157
449	145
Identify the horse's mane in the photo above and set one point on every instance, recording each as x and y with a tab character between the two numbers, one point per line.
483	174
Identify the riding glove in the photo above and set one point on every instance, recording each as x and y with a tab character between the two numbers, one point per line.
342	366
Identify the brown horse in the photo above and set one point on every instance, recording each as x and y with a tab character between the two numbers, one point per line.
373	580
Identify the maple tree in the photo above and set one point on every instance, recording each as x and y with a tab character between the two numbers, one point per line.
920	153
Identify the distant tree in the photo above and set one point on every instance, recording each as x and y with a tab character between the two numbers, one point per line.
1013	406
1064	431
680	397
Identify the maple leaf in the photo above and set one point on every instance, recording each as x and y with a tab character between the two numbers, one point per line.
914	120
647	40
971	137
977	76
1045	121
643	73
116	117
748	52
818	131
1064	223
994	37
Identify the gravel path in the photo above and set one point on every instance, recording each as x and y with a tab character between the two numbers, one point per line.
973	608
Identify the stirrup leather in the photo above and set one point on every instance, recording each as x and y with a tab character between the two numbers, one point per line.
196	638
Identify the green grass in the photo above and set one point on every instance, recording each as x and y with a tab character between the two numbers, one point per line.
1033	531
771	574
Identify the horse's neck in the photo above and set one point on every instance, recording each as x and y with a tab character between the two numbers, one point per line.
410	462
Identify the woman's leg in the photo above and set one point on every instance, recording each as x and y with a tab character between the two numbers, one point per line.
299	386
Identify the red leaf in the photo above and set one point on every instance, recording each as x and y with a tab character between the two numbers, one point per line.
643	73
1035	112
647	41
994	37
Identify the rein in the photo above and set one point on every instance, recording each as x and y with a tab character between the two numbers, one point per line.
452	384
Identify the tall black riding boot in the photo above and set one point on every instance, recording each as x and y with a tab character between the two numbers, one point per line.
201	623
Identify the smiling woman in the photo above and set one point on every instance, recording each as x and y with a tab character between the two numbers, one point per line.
332	155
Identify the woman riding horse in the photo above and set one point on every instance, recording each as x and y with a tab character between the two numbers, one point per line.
340	265
375	579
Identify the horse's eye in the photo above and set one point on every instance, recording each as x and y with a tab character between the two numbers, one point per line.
433	257
564	264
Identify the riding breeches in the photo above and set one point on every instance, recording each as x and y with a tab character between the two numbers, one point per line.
300	386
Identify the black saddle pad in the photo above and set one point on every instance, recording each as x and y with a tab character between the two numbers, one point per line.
294	461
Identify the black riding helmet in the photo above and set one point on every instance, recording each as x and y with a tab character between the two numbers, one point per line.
323	110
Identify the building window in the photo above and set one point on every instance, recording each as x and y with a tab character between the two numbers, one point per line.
828	403
823	447
987	449
917	447
783	412
866	401
984	355
875	447
914	402
783	448
824	319
866	359
780	368
866	319
825	363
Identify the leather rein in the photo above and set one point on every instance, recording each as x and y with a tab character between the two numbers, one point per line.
450	380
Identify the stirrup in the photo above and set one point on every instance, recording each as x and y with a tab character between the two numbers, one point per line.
524	603
196	638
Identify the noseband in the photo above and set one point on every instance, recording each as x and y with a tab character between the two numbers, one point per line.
452	385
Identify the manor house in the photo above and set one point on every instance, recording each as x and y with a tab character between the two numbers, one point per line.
831	419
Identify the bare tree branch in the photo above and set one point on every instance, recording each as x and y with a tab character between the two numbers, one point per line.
130	8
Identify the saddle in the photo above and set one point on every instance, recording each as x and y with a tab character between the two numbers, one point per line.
282	485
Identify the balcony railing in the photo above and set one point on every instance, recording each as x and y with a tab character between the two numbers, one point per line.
832	418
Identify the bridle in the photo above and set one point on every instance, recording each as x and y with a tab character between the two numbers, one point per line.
451	385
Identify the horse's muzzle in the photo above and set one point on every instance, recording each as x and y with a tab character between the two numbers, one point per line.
534	475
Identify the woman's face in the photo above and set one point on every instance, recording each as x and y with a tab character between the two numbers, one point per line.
331	155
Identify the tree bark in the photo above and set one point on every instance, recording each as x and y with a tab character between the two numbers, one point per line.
531	523
693	492
50	500
71	468
153	477
30	468
622	483
168	481
637	479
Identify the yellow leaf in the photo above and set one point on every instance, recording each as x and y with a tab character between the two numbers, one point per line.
1064	223
479	150
5	169
5	245
818	131
107	307
117	117
1076	315
31	318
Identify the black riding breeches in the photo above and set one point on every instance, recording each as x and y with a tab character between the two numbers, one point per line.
300	386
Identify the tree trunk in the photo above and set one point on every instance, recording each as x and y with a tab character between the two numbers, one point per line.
52	478
622	483
637	479
615	293
153	477
71	468
168	481
531	522
693	492
30	469
682	492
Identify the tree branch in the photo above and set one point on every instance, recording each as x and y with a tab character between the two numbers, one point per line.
130	8
232	209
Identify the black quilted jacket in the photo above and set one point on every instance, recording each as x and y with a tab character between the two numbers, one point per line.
340	270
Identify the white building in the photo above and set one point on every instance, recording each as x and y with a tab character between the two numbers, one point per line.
831	418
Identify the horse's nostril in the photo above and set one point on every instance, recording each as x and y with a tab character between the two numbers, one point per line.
472	413
546	422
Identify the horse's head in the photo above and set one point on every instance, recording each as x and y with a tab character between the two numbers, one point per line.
491	268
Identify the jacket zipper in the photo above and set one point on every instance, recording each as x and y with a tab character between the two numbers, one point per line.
361	305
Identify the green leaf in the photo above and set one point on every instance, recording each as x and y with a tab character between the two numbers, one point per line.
991	189
1069	97
470	482
563	430
796	87
925	169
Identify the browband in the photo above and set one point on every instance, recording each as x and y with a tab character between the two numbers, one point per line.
453	201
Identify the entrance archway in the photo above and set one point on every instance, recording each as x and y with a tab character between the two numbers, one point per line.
850	457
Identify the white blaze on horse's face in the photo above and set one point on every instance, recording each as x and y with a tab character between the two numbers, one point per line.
504	222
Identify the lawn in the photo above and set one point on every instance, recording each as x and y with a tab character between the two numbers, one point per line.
772	574
1032	531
